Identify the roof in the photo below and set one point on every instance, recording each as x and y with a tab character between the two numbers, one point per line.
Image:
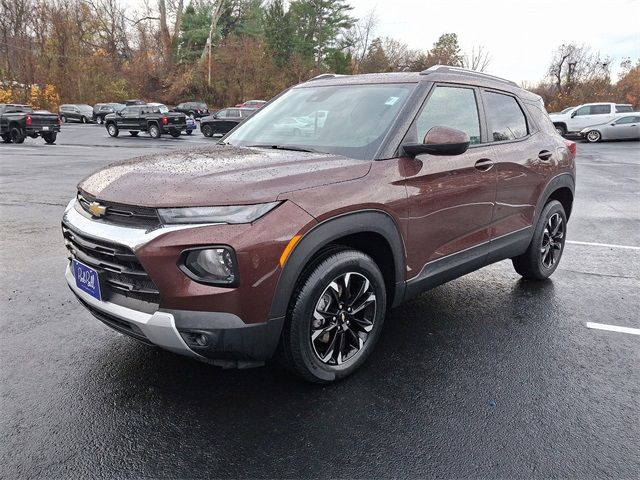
437	73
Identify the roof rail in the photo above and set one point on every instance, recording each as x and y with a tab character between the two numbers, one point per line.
464	71
324	75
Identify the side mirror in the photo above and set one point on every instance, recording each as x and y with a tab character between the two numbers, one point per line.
440	141
573	114
613	124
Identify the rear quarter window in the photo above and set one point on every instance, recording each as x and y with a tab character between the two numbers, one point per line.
624	108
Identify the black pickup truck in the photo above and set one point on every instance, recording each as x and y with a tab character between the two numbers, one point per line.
154	118
17	122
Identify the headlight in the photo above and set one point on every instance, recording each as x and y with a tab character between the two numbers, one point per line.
230	214
213	265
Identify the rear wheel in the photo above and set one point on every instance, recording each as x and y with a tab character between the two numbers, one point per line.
133	133
112	129
17	134
100	120
206	130
6	138
50	137
335	317
545	250
154	131
174	133
593	136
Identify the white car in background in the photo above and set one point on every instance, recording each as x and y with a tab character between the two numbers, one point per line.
625	127
575	119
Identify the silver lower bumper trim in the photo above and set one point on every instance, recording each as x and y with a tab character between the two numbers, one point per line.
159	328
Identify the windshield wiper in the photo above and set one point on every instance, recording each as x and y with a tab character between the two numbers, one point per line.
293	148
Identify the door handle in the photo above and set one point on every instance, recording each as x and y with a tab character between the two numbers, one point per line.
545	155
484	165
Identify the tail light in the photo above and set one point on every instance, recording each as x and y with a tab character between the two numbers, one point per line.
572	146
28	120
165	120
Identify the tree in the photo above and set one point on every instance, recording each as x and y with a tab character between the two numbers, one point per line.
359	37
194	32
446	51
478	59
376	59
319	23
628	87
279	32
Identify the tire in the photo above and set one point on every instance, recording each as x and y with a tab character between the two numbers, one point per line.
17	135
50	137
308	348
561	129
189	132
133	133
112	129
100	120
63	119
154	131
83	119
593	136
206	130
175	133
6	138
545	250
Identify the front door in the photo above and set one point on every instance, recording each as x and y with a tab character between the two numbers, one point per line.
450	198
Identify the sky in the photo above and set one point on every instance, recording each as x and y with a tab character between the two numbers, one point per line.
520	36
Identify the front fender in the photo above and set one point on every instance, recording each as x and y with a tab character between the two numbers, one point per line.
375	221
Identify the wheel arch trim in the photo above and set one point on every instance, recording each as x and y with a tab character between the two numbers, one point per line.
563	180
362	221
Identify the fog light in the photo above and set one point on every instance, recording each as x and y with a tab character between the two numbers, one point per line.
201	340
215	265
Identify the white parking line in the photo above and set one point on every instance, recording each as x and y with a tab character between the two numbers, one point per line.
613	328
609	245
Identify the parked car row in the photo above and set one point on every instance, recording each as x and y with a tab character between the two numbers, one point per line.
591	119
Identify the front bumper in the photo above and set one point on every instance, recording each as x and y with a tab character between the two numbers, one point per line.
218	337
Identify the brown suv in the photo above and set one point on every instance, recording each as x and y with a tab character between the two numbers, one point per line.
343	197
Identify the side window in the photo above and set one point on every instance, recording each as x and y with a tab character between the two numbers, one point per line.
233	113
453	107
505	117
222	114
600	109
623	108
586	110
624	120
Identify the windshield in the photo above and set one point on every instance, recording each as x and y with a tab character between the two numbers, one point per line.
349	120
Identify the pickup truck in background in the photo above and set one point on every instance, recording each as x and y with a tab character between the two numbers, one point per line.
17	122
154	118
573	120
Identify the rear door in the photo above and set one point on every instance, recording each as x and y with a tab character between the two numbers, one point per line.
450	198
524	157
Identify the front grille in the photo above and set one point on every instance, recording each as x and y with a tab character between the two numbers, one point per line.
120	214
120	272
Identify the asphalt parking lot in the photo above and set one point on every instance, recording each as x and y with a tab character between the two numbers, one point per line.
487	376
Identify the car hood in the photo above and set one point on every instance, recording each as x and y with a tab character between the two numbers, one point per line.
217	175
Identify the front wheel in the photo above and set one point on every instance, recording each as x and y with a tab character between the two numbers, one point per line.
112	129
50	137
206	130
335	317
154	131
545	250
561	130
593	136
175	133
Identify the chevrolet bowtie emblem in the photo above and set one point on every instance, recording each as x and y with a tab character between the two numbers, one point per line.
97	210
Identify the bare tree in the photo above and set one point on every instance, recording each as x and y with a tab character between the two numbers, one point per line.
359	37
478	59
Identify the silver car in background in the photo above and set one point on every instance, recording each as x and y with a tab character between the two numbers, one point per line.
626	127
